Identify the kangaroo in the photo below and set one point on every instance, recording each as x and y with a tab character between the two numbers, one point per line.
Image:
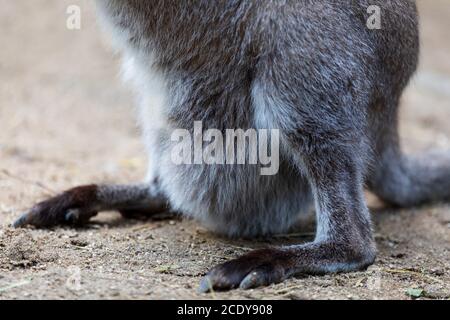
311	69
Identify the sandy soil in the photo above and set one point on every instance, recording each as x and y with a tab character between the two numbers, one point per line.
66	119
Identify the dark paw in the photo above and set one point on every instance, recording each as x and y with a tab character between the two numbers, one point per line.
73	207
256	269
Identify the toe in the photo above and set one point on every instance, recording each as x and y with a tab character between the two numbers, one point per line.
264	276
205	285
252	280
226	276
22	221
72	216
78	216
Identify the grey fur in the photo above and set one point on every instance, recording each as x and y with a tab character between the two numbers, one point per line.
309	68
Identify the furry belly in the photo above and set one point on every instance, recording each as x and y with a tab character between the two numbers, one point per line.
233	200
236	201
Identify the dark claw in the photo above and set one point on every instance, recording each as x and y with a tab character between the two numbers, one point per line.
205	285
253	280
21	221
77	216
72	216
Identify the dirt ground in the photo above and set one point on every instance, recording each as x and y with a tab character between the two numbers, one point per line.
66	120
